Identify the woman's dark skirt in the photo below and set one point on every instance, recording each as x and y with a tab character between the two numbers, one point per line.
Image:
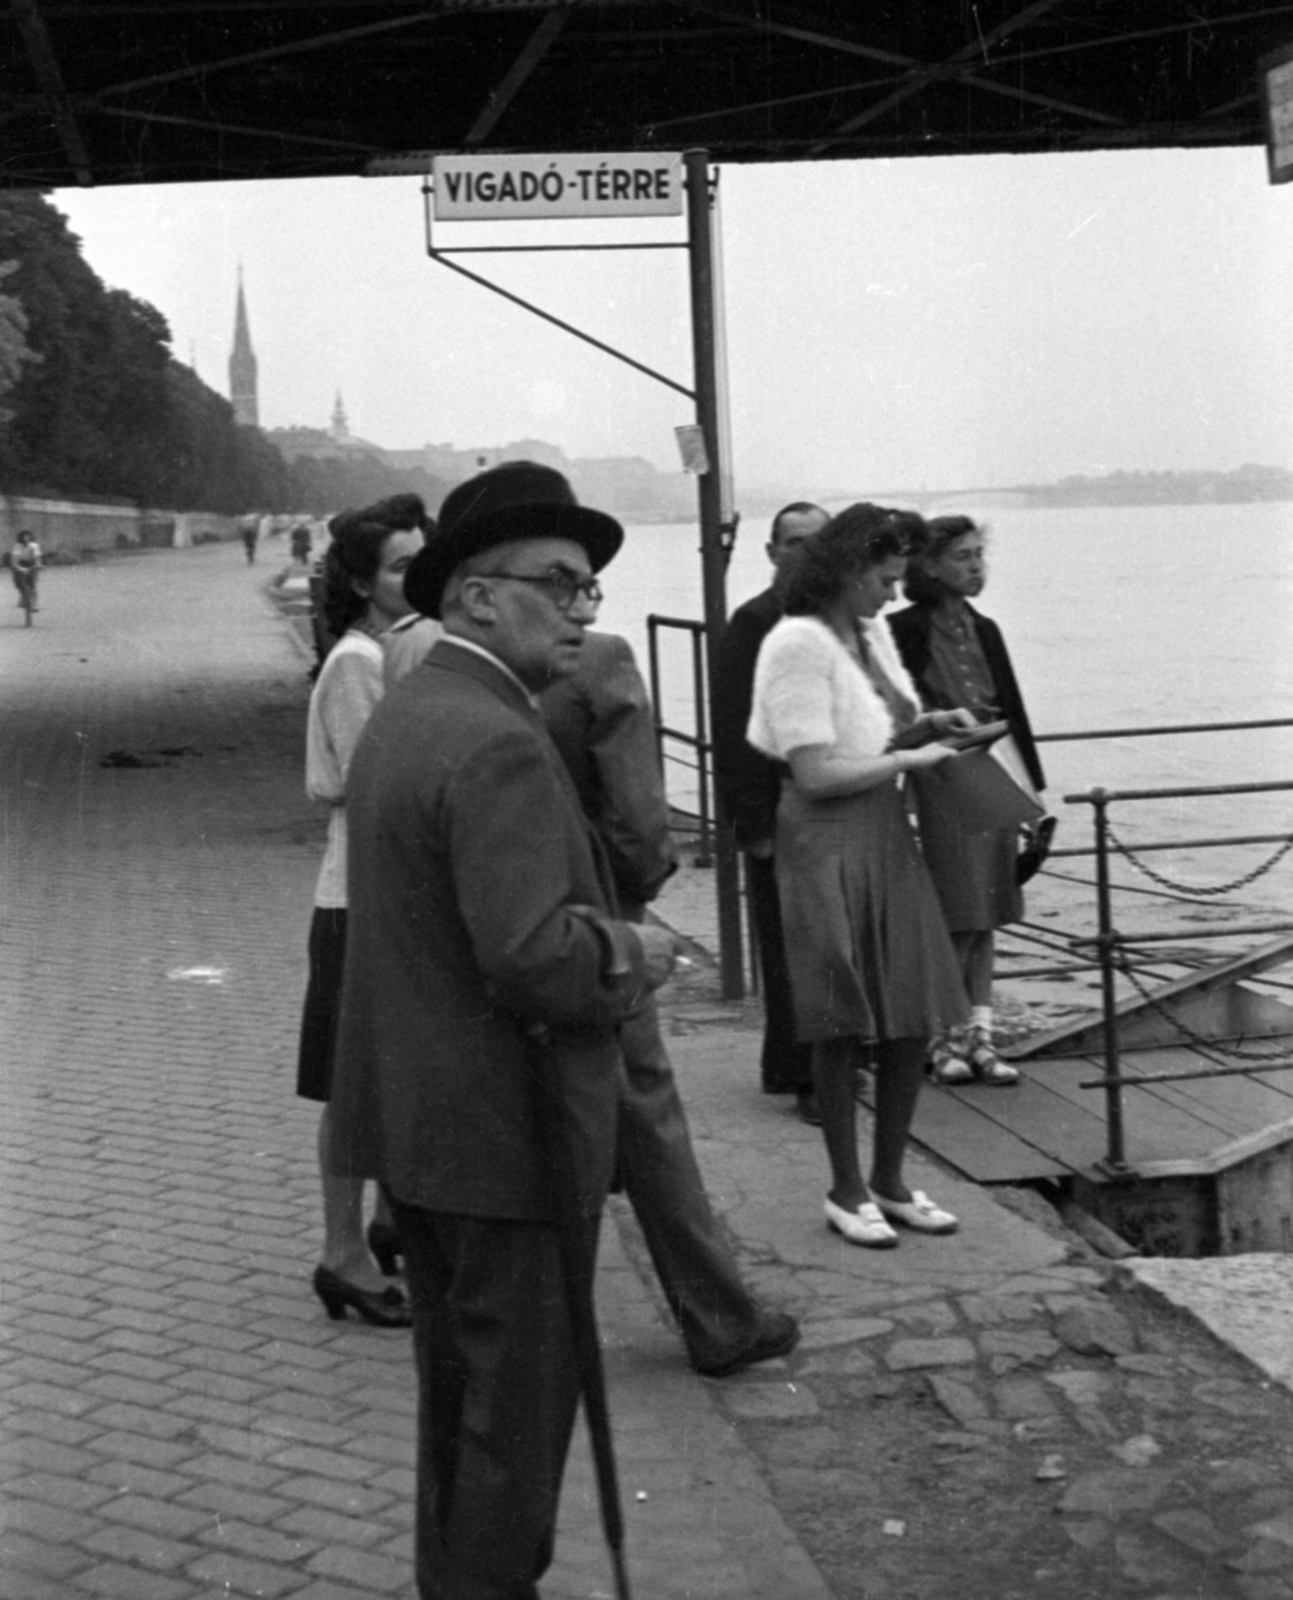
327	949
869	952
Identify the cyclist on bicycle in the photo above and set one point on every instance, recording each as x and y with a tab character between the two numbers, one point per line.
25	562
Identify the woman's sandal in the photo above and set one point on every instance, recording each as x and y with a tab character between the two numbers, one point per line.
986	1065
949	1060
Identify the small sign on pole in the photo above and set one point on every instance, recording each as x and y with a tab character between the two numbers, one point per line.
1275	75
498	188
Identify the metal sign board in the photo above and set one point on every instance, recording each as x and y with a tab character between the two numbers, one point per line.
499	188
1275	73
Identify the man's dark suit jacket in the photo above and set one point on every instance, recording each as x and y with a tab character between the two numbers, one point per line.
911	631
600	719
749	785
478	906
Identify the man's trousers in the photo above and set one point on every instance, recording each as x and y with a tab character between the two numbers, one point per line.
497	1395
657	1166
786	1066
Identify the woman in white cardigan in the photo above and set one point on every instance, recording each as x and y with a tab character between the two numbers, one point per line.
872	968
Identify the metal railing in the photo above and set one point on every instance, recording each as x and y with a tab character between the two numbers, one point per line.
1113	951
696	740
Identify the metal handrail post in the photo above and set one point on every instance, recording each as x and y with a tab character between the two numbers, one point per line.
1106	940
653	670
705	857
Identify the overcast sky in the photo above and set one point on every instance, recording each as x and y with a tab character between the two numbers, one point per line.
935	323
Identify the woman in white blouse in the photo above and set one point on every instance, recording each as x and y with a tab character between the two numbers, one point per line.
363	595
872	968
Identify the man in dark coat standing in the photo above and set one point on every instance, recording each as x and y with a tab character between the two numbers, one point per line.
749	788
600	719
480	916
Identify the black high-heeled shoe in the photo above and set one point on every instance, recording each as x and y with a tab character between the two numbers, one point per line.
384	1243
384	1308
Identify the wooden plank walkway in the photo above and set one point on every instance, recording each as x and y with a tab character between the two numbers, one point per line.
1048	1126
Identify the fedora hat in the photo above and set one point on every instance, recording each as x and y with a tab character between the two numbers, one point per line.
517	500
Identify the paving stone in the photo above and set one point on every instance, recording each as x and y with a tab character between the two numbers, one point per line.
1194	1529
1145	1563
24	1552
125	1543
156	1516
1278	1528
842	1330
115	1581
1082	1388
989	1310
369	1570
1019	1398
1116	1492
905	1355
764	1402
1091	1328
958	1399
1029	1347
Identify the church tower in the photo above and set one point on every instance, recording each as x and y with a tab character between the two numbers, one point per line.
242	366
340	429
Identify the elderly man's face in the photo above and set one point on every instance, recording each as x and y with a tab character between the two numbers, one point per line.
529	630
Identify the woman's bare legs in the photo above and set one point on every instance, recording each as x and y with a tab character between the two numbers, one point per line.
345	1251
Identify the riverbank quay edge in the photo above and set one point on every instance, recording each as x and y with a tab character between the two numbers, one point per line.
1002	1413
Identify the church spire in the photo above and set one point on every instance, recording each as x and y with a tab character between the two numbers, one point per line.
340	427
242	365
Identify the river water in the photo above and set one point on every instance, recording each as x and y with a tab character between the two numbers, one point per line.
1116	617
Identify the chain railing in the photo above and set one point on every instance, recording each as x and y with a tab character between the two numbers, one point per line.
1113	952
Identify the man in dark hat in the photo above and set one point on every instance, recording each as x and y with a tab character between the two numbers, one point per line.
480	915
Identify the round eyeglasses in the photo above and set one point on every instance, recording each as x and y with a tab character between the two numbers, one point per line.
564	587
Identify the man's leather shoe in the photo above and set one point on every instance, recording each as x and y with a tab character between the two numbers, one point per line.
778	1336
809	1111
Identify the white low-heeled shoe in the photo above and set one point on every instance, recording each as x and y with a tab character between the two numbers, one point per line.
919	1213
865	1226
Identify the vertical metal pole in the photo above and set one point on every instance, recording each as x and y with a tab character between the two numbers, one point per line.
653	667
713	563
701	723
1117	1157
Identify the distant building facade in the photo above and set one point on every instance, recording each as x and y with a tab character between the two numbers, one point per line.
242	366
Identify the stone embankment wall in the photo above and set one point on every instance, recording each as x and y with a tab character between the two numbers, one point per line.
68	529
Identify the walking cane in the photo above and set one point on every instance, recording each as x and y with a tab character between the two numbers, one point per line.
577	1270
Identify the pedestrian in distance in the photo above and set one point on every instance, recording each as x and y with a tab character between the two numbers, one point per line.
749	789
363	594
872	968
25	564
957	657
301	543
601	721
248	532
485	976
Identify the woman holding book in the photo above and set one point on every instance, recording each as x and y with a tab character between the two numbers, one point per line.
957	657
872	970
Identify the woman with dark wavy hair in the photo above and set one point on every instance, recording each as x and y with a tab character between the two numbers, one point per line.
363	596
872	969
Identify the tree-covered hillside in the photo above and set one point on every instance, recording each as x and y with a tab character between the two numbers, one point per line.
96	404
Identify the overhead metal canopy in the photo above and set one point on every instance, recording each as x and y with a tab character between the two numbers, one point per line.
162	91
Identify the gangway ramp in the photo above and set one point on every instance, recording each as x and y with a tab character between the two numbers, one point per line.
1208	1144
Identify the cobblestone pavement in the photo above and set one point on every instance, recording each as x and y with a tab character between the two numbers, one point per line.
989	1415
